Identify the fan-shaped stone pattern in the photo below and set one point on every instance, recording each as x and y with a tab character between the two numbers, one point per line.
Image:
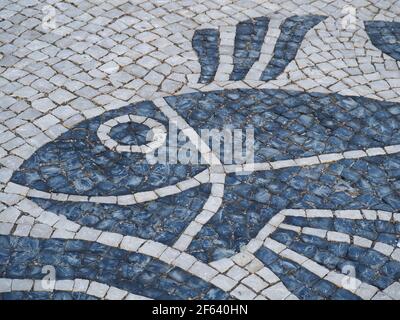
293	31
292	124
301	282
385	35
160	220
205	42
55	295
250	201
78	163
23	258
382	231
370	266
249	39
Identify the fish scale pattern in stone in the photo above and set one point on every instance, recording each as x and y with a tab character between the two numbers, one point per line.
370	266
23	258
102	55
161	220
301	282
251	200
289	124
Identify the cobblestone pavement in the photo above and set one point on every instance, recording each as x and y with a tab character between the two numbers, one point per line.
85	215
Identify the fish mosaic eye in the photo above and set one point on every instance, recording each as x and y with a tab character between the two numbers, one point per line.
321	192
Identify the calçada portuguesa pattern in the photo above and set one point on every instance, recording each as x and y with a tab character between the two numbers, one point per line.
316	216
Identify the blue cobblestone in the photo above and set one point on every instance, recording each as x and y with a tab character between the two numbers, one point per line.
287	125
205	42
275	114
293	31
249	39
382	231
385	35
133	272
78	163
370	266
162	220
242	215
300	281
56	295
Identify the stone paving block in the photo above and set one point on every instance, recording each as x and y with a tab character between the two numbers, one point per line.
316	188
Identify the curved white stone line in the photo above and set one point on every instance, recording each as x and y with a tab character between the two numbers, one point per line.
352	284
213	272
208	156
123	200
249	272
41	224
57	226
353	214
187	236
334	236
214	174
276	221
277	290
313	160
92	288
148	247
157	130
226	49
273	84
210	208
267	50
217	176
361	289
50	226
